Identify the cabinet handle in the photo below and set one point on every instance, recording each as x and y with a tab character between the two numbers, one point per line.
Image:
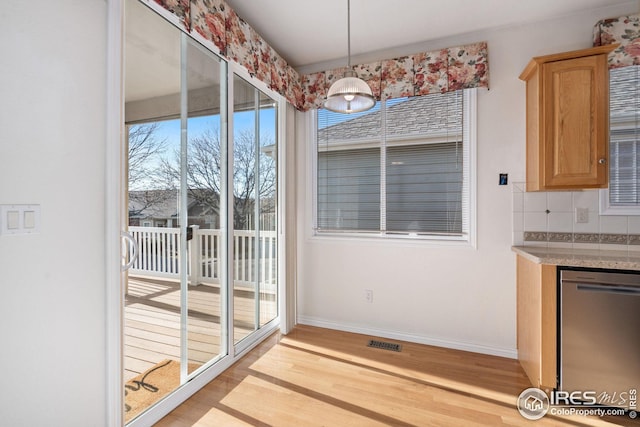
602	161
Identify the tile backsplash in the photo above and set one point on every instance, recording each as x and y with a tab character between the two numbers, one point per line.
549	219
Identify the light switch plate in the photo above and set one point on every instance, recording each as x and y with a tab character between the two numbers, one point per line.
19	219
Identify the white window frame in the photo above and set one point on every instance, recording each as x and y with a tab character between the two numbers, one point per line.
604	200
469	215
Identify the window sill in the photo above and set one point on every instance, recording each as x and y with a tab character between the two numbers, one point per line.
402	239
607	209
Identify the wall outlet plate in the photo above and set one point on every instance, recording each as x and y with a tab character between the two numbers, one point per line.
582	215
368	295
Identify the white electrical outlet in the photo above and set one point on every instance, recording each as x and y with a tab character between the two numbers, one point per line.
368	295
582	215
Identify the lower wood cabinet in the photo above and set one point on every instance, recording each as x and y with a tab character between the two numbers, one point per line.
537	321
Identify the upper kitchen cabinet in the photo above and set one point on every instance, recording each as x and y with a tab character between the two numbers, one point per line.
568	120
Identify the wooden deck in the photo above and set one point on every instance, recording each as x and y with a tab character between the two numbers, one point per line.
152	321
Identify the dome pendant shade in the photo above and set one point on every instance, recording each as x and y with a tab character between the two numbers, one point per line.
349	95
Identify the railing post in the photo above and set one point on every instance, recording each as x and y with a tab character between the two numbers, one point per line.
194	256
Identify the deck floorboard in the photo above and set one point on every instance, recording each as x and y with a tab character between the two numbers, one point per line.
152	322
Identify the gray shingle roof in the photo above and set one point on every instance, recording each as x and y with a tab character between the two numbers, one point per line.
421	115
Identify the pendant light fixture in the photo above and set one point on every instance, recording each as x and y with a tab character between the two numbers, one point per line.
349	94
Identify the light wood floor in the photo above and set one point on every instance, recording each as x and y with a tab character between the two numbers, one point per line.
320	377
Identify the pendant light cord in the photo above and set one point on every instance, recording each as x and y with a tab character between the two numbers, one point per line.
349	34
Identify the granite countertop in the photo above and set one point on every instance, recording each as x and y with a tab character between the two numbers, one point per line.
594	258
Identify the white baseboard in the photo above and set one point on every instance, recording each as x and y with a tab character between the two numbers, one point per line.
419	339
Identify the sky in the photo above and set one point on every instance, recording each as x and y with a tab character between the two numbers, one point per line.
170	129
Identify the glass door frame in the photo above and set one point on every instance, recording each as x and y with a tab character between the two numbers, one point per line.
238	73
117	215
189	45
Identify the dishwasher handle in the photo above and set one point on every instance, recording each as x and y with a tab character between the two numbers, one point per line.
622	290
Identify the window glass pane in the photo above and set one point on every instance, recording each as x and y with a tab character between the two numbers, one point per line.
245	245
424	164
205	187
349	190
624	117
424	188
268	202
396	169
342	129
438	114
255	178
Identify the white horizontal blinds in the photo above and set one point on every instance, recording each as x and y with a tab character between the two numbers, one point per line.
624	117
348	171
424	188
349	190
424	165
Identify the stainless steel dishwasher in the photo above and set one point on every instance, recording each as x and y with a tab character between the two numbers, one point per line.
600	334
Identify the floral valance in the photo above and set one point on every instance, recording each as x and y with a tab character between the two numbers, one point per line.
422	73
624	30
413	75
238	41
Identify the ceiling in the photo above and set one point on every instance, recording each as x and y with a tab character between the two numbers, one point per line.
308	32
313	33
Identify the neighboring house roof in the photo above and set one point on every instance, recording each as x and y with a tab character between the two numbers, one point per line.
153	203
158	203
421	115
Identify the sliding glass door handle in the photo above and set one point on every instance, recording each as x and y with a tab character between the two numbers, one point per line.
129	250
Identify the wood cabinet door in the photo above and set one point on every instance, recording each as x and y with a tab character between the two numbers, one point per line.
575	128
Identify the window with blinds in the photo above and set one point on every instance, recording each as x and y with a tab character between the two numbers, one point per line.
401	168
624	138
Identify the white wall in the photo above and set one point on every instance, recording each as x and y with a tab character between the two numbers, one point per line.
52	143
451	296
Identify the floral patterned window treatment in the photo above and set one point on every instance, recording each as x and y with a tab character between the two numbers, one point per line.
624	30
413	75
422	73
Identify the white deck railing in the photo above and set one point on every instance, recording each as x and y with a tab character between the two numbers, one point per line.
254	257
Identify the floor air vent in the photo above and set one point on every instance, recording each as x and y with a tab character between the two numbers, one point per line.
384	345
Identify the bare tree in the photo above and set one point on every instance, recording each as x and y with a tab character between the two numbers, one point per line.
252	175
205	158
145	151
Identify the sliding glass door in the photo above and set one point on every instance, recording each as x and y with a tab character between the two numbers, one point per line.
255	242
175	313
201	217
203	190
